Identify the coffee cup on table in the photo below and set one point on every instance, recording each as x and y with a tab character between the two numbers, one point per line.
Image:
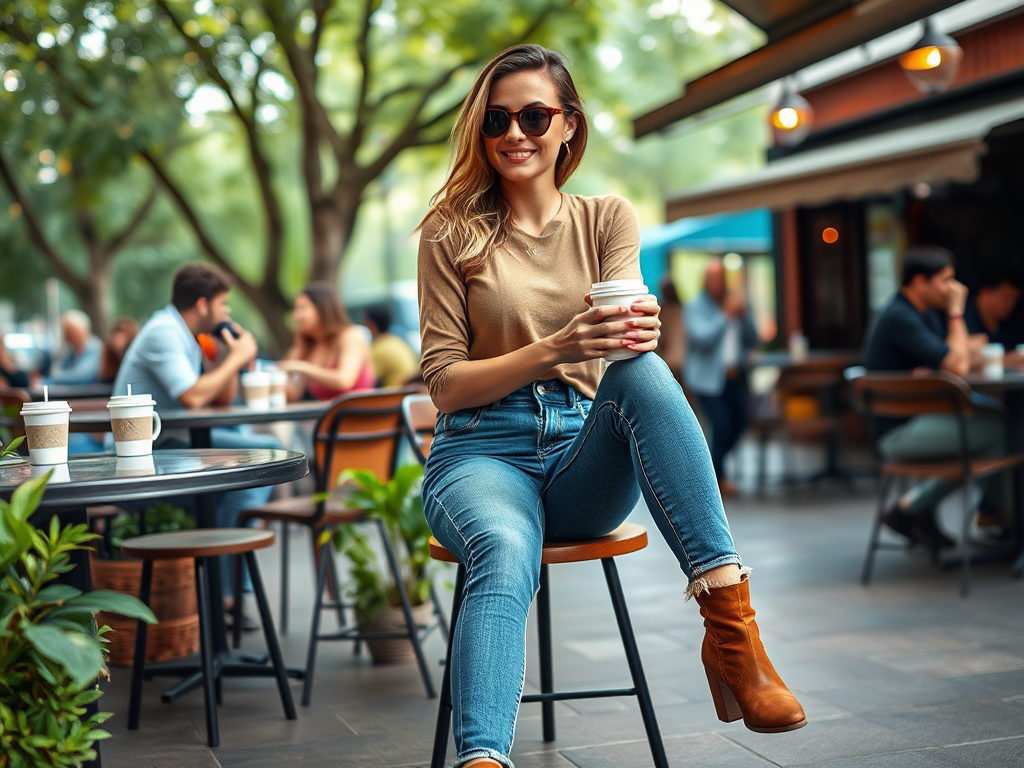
135	424
46	431
256	389
278	388
992	355
618	293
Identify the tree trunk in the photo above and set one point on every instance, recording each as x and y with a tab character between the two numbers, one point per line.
97	299
272	305
334	220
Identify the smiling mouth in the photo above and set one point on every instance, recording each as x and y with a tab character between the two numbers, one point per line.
519	154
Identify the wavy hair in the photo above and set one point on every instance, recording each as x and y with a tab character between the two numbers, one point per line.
474	214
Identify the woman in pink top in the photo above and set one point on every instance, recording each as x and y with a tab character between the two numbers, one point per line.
330	356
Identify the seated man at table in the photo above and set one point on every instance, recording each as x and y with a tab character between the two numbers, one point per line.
923	329
166	361
79	362
988	313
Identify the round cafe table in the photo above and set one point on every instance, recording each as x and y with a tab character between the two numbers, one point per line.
95	479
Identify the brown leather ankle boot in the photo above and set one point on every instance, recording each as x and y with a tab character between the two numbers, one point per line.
743	681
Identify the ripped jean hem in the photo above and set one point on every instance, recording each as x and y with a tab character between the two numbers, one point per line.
475	754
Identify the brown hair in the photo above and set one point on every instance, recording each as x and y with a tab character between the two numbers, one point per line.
471	206
333	317
197	281
110	360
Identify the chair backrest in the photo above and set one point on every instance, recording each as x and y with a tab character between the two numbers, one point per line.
11	401
420	416
903	395
359	431
811	377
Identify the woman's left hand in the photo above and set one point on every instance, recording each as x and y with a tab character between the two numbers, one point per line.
645	329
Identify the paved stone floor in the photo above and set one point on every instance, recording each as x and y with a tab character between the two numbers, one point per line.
903	674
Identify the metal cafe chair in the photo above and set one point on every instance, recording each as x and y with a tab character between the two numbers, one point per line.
904	396
420	415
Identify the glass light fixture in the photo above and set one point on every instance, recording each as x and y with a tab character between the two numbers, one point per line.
791	117
933	63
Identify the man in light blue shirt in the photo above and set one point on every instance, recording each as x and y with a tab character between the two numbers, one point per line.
166	362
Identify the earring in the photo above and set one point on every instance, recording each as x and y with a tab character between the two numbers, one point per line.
568	152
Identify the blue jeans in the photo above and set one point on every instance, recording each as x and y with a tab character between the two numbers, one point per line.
727	413
546	464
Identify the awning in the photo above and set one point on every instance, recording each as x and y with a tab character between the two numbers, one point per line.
934	152
801	33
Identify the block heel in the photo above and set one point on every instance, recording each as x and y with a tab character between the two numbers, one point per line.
726	706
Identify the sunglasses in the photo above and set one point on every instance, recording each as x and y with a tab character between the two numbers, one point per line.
533	121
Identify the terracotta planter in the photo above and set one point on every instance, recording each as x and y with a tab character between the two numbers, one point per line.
172	599
393	651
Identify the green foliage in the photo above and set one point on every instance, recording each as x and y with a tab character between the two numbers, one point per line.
160	518
11	449
51	652
398	503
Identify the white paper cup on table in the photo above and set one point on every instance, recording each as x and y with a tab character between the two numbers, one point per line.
278	388
256	389
992	355
618	293
135	424
46	431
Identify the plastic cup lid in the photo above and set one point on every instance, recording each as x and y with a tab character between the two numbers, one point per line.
618	286
53	406
130	401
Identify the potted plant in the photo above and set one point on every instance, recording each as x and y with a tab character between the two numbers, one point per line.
51	652
398	504
173	593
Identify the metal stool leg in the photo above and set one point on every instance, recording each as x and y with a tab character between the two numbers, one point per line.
442	623
139	662
314	631
237	603
444	705
206	651
280	671
965	539
636	669
282	625
544	642
876	527
410	622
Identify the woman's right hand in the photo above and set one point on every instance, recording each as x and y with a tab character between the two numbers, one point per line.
591	334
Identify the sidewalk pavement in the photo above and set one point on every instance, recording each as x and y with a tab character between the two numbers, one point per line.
902	674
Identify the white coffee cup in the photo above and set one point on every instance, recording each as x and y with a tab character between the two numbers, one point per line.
46	431
256	389
135	423
622	293
278	388
993	354
134	466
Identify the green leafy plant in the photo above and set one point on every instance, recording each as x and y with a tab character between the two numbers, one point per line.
51	652
11	449
160	518
398	503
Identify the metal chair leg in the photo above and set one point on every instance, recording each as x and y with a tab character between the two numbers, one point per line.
965	539
636	669
139	662
544	642
314	631
444	704
876	527
285	564
206	652
410	622
238	602
280	671
442	622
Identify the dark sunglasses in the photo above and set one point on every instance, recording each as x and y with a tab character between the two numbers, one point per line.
533	121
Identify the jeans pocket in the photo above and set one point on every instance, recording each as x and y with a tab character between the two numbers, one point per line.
460	422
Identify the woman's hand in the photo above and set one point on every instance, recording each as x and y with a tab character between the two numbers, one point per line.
600	331
295	366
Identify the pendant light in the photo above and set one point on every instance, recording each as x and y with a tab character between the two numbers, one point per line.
933	63
791	117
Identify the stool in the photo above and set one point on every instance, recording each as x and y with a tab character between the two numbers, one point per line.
202	545
627	538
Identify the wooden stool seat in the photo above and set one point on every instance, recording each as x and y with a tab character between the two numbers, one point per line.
627	538
205	542
303	510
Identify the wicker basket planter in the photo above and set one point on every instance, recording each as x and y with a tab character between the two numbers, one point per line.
172	599
393	651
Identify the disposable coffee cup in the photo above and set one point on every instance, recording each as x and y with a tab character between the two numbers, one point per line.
61	473
256	389
135	424
278	388
46	431
618	293
992	355
134	466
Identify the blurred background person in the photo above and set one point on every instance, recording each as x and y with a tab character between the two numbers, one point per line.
989	310
672	344
121	335
10	375
394	362
330	355
79	360
719	335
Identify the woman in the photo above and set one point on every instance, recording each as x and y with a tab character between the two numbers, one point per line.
528	447
330	356
120	337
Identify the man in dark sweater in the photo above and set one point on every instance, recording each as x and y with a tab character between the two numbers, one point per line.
923	329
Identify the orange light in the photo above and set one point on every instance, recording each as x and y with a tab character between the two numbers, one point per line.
922	58
830	235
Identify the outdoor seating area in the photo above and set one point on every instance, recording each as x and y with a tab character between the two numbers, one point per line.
512	385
